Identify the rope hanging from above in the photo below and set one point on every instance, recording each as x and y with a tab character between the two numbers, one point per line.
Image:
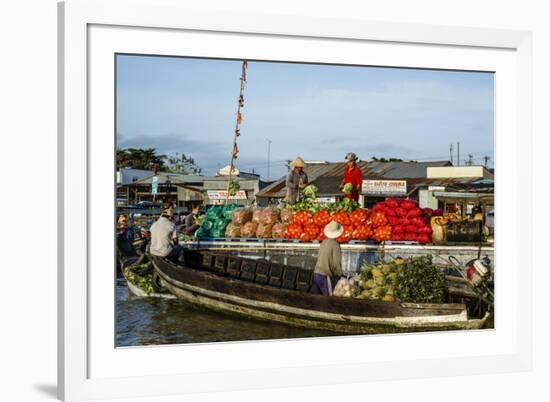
233	187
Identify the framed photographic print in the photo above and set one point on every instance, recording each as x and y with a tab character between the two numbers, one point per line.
241	193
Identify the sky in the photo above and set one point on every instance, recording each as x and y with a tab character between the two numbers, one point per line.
319	112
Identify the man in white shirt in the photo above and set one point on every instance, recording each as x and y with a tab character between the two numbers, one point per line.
164	240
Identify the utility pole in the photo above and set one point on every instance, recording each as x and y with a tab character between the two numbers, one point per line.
451	152
268	156
458	153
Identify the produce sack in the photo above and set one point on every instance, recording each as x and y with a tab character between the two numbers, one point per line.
342	217
343	288
257	215
401	212
408	204
393	220
358	217
286	216
398	229
390	212
227	211
278	231
301	218
311	231
391	203
264	231
269	216
293	231
423	238
241	216
412	213
418	221
218	228
249	229
439	230
202	233
362	232
425	230
379	207
232	230
213	213
321	218
346	235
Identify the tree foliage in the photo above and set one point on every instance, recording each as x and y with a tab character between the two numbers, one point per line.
147	158
182	164
138	158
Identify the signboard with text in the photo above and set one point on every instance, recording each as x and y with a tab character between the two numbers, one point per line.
325	200
222	195
155	185
384	187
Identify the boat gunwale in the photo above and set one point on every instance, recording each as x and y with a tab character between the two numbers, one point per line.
331	303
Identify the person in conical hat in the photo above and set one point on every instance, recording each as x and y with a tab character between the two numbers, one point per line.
328	268
296	180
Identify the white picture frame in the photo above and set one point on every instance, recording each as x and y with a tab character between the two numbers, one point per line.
89	369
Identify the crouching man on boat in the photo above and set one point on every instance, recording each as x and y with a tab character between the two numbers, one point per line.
164	240
329	260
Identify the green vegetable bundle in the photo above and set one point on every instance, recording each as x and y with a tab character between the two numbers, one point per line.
420	281
414	280
310	192
348	188
215	221
141	276
347	204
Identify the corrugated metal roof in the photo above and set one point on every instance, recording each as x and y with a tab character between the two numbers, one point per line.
327	177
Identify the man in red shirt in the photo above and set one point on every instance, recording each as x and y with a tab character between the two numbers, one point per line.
352	174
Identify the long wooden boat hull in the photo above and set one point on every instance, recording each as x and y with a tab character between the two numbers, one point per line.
337	314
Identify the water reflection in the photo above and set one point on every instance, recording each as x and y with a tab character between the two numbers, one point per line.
154	321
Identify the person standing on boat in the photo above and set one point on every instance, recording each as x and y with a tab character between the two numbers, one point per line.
296	180
352	175
329	260
164	240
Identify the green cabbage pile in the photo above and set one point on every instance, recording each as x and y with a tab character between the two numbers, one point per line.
348	188
310	191
215	221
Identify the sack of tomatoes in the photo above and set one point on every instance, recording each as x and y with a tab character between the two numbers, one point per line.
407	221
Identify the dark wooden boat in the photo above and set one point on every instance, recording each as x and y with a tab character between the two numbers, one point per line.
259	289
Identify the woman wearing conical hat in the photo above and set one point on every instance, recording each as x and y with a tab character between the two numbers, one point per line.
329	260
296	180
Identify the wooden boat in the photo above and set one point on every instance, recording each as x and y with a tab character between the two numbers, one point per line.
134	289
258	289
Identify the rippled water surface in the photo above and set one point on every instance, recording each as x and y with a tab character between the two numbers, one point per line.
154	321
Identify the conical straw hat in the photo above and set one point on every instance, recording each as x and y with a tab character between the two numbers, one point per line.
333	230
298	162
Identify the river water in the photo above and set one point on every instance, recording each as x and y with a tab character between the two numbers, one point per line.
156	321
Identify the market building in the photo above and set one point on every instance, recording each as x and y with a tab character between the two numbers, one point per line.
185	191
411	179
